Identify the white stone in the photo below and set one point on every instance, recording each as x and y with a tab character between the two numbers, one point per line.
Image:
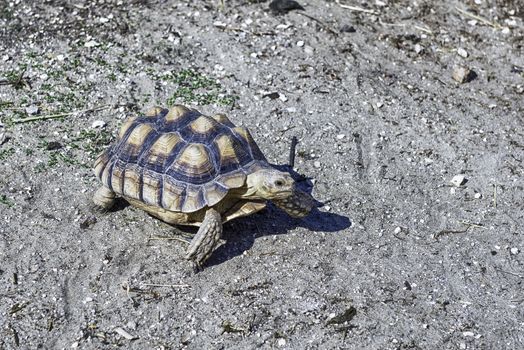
397	230
461	52
514	251
468	334
309	50
219	24
91	43
98	124
458	180
316	164
31	110
300	43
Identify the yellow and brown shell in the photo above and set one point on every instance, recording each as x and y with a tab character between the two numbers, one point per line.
178	159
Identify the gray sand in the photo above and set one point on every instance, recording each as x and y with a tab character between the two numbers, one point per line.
396	257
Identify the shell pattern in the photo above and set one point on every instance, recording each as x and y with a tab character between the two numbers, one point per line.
178	159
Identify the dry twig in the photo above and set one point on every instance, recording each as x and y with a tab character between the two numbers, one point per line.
357	9
56	116
478	18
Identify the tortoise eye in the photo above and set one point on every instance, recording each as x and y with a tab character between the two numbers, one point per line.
279	183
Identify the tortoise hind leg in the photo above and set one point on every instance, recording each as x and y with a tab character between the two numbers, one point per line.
206	239
104	198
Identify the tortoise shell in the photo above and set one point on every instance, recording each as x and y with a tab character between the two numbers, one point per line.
178	159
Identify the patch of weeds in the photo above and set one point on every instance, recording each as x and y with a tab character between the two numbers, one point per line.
40	168
5	201
57	74
193	86
6	153
5	104
6	13
15	77
94	141
58	157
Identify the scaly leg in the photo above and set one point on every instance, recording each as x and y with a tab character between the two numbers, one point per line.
206	239
104	198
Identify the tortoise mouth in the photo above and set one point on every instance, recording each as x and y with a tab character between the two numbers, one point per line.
298	204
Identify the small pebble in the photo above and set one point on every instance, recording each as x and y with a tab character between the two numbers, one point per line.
462	74
458	180
75	345
300	43
31	110
514	251
397	230
419	48
340	136
98	124
346	28
91	43
219	24
284	6
468	334
281	342
462	346
125	334
309	50
477	195
462	53
316	164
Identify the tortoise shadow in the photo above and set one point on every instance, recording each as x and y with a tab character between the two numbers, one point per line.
240	234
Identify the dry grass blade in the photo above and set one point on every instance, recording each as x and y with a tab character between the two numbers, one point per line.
56	116
166	285
356	8
478	18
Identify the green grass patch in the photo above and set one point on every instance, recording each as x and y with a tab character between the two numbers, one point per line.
6	153
5	201
192	86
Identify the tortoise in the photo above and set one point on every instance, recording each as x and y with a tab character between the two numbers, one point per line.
187	168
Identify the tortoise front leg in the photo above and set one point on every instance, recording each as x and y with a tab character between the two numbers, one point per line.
104	198
206	239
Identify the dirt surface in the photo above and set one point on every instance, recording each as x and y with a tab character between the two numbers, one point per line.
396	257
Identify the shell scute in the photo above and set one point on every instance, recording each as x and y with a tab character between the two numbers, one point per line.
193	165
132	181
157	156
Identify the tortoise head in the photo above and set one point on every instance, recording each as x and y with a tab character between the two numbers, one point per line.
280	188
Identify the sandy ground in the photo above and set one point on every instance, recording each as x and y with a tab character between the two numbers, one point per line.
397	256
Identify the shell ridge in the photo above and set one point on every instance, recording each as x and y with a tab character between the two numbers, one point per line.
148	143
124	138
180	123
108	181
